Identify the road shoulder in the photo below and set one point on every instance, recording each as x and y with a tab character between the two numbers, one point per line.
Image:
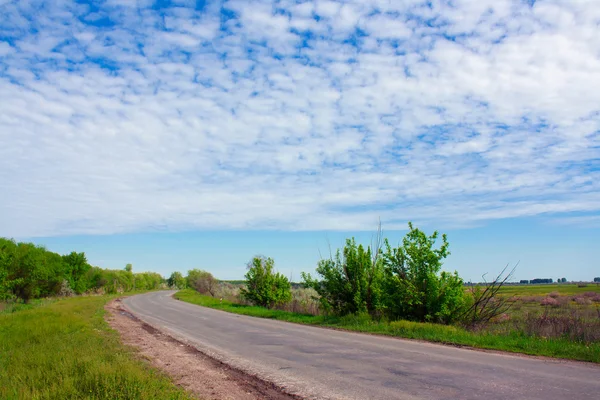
189	368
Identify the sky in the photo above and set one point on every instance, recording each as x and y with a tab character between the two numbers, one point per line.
196	134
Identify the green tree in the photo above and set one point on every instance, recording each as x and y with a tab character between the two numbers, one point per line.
203	282
350	282
7	252
415	288
264	287
176	280
32	271
129	268
77	268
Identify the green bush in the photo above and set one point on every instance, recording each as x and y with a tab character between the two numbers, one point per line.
404	282
264	287
176	281
349	283
414	287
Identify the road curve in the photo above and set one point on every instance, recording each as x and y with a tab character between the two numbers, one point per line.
326	364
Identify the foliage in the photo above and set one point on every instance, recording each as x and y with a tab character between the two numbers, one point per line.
349	283
77	267
414	287
28	271
65	350
203	281
177	281
264	287
404	282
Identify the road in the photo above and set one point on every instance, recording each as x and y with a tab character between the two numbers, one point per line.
327	364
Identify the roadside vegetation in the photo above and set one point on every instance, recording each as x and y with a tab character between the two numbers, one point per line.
403	291
30	272
64	349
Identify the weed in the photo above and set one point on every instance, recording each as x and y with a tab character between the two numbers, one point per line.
65	350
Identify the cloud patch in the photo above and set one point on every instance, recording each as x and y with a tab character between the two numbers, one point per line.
295	115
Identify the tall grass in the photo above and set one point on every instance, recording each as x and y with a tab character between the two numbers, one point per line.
511	340
65	350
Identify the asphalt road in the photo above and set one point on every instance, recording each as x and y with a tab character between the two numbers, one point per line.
327	364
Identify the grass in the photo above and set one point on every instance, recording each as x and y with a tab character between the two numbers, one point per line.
511	341
12	306
65	350
544	289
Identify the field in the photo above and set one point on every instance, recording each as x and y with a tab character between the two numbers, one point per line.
545	289
64	349
560	321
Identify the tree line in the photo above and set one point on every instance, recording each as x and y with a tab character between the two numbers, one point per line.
29	271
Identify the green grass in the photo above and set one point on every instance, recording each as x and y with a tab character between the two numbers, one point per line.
65	350
512	342
544	289
10	307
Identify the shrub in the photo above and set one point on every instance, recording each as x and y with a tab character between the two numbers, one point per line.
571	326
350	282
485	303
549	301
414	288
554	295
204	282
582	301
177	281
65	289
264	287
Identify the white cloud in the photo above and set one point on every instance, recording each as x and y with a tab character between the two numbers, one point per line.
455	113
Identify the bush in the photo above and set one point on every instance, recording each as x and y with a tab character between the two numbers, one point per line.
264	287
582	301
549	301
405	282
350	283
203	282
177	281
414	288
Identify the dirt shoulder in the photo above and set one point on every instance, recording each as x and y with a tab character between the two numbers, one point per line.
189	368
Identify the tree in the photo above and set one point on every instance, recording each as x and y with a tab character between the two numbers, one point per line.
264	287
414	288
129	268
77	267
349	283
176	280
31	271
202	281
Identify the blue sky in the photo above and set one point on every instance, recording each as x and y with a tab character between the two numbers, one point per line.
142	131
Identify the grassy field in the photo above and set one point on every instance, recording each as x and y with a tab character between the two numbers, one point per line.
65	350
511	340
545	289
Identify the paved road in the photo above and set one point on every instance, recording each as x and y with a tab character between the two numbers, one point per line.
326	364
